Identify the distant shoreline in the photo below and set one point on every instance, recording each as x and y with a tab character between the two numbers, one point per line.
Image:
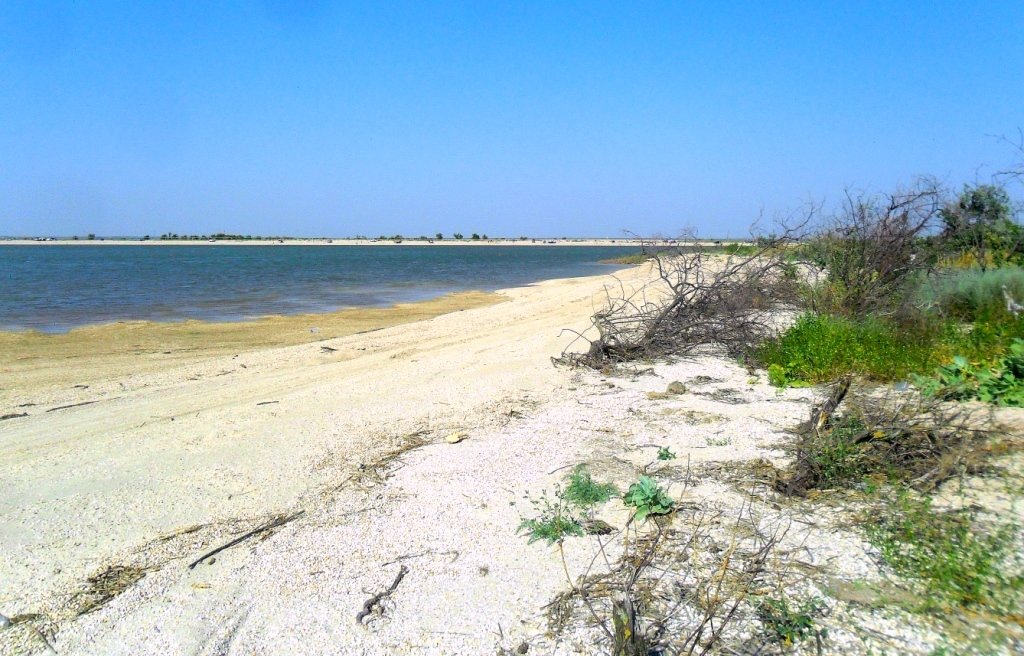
350	242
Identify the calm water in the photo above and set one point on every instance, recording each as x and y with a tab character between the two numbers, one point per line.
55	288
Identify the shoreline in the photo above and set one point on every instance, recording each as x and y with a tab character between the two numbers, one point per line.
32	358
326	241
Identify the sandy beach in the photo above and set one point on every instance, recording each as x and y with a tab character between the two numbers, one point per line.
401	448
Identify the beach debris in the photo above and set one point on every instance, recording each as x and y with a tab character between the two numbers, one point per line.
314	330
375	600
523	648
13	415
598	527
5	621
456	437
106	585
327	349
676	387
267	402
280	521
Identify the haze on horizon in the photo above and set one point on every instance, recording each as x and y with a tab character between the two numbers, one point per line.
557	118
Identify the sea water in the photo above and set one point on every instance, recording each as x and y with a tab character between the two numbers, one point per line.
54	288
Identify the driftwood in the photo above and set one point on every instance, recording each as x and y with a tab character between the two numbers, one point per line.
280	521
13	415
369	604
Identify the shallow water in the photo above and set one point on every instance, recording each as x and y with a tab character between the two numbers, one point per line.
56	288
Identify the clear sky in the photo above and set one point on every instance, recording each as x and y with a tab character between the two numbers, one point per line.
508	118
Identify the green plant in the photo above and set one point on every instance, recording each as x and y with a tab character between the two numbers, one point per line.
777	375
664	453
1000	384
554	523
789	625
955	561
648	498
584	492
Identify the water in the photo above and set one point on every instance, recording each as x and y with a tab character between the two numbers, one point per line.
56	288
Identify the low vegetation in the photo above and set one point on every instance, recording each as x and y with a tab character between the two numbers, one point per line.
906	303
951	559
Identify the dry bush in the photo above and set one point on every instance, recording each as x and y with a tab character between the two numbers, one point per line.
697	298
901	436
873	249
689	585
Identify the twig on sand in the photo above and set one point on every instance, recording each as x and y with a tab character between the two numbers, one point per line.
73	405
380	596
267	402
13	415
280	521
453	553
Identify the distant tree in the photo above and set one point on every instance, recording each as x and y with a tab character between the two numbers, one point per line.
457	235
145	238
484	236
980	222
439	236
91	236
74	238
475	236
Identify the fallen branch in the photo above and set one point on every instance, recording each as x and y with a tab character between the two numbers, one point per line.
281	521
380	596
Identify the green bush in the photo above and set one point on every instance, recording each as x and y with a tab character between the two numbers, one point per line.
819	348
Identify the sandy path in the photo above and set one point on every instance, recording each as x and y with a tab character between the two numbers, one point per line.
192	445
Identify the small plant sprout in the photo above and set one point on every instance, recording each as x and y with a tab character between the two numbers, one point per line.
664	453
648	498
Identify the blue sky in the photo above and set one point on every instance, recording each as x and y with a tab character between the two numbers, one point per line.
507	118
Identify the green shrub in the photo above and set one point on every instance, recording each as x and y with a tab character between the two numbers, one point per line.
819	348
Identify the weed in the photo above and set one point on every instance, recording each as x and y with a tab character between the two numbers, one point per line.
719	441
583	492
948	555
790	625
648	498
664	453
554	523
